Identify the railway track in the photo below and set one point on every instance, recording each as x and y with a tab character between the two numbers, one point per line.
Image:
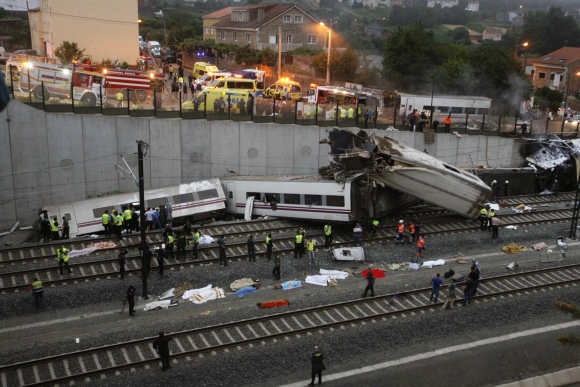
108	360
17	280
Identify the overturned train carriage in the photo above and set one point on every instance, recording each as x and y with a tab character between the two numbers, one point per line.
392	164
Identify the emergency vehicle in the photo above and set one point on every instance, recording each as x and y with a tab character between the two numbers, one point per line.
86	85
284	86
334	94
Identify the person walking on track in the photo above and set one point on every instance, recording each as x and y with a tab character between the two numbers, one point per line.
122	261
62	258
161	344
327	237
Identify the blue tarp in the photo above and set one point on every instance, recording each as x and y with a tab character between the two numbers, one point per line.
291	285
247	290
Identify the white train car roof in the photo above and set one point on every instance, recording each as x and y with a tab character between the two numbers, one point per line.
281	178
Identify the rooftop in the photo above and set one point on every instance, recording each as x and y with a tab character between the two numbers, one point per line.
491	30
219	14
563	57
271	11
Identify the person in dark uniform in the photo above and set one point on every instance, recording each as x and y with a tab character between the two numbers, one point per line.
122	261
276	270
161	344
131	299
370	283
160	258
506	188
317	366
45	228
269	244
222	247
65	229
181	243
251	249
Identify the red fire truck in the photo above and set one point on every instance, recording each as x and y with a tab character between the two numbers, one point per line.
334	94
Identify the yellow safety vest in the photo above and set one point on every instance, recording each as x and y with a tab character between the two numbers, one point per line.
169	239
327	230
127	214
196	237
54	227
351	113
376	223
119	96
342	113
491	213
61	255
105	218
180	80
311	246
299	238
119	220
36	287
359	111
268	240
483	211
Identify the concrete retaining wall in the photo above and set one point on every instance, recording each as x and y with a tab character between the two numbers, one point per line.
48	158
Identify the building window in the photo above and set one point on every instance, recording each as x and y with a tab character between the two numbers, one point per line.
240	16
287	18
235	36
289	39
297	18
211	30
206	30
248	38
541	75
552	77
311	39
273	39
533	71
223	35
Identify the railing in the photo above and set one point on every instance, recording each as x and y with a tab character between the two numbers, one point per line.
274	46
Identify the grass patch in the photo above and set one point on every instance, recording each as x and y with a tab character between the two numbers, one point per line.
475	27
371	14
442	33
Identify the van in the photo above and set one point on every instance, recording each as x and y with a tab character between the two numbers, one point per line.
201	68
236	89
284	86
155	48
208	78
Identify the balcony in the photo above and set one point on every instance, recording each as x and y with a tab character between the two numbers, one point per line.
274	46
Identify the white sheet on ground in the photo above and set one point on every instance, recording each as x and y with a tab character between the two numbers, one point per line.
189	293
352	254
81	252
249	208
167	294
205	240
207	295
430	264
321	280
157	305
334	273
494	206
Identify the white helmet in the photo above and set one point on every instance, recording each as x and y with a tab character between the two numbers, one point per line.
400	221
507	182
495	181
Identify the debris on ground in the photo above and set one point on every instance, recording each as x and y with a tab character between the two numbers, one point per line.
273	304
512	266
460	260
399	266
513	248
539	246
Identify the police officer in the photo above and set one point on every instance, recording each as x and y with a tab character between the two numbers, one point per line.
131	299
251	249
45	228
161	344
269	244
65	228
119	225
298	244
196	236
327	237
54	229
181	243
169	245
62	258
276	270
375	227
317	366
37	292
122	261
106	223
160	258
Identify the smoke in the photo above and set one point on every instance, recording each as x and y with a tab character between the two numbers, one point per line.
516	93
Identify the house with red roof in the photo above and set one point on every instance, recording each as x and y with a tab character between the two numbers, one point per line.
553	69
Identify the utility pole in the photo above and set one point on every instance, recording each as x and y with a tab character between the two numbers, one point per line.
143	148
328	57
279	52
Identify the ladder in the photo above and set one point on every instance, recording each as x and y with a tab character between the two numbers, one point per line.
470	160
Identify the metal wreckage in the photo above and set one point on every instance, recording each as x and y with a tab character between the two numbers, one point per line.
390	175
556	164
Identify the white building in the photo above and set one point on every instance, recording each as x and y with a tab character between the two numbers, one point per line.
472	6
443	3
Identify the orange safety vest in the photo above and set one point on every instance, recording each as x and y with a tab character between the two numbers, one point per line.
412	229
447	120
401	228
421	242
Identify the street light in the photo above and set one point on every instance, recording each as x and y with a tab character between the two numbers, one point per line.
432	107
521	45
142	150
566	99
328	57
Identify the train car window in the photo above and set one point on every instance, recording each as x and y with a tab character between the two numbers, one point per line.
257	196
208	194
182	198
98	212
273	197
291	199
153	203
483	111
335	201
456	110
450	168
443	109
470	110
313	200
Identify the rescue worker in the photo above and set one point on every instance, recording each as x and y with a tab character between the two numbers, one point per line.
493	185
181	243
169	245
54	229
37	292
357	230
317	366
412	232
421	246
65	228
350	113
62	258
370	283
298	244
161	344
269	245
506	188
127	217
122	261
131	299
401	232
495	222
490	216
166	231
375	227
106	223
310	248
447	121
119	96
276	269
118	225
358	113
483	218
342	114
160	259
327	237
45	228
170	72
196	236
251	249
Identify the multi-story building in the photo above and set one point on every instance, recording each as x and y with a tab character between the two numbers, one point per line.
211	19
105	29
402	3
443	3
492	34
553	69
472	6
258	25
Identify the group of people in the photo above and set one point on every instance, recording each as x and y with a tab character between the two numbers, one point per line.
469	287
495	189
488	220
52	230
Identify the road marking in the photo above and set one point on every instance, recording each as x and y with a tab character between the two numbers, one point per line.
442	351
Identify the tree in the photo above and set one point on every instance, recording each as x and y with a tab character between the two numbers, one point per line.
460	33
574	310
343	64
554	97
549	31
409	54
68	51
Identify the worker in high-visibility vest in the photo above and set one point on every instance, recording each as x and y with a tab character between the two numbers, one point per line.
401	232
106	223
120	98
118	221
54	228
421	246
327	236
310	248
62	258
490	216
127	217
37	292
196	237
447	121
169	245
375	227
483	218
269	245
412	232
298	245
351	112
